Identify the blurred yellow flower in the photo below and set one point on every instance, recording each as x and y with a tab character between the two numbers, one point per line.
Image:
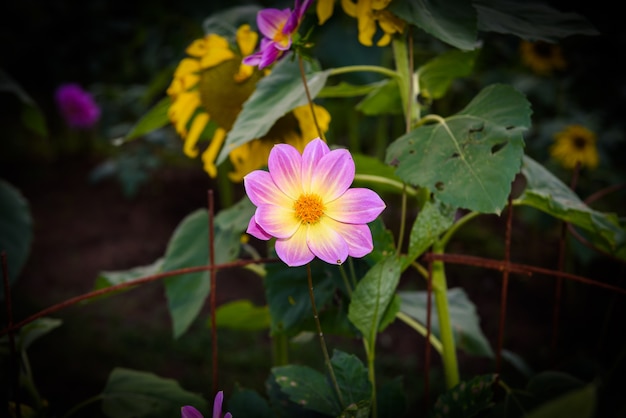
367	13
575	145
211	85
542	57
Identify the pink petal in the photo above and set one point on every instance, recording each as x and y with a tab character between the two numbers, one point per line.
313	152
278	221
271	21
190	412
253	59
333	175
358	238
261	190
326	243
270	55
294	251
217	404
356	206
285	165
256	231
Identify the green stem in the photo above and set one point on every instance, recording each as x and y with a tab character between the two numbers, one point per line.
372	178
370	351
367	68
434	341
457	225
440	289
346	281
318	325
279	350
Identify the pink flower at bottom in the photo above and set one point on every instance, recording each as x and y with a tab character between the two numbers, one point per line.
77	106
191	412
306	203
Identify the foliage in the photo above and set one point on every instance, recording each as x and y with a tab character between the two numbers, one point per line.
458	142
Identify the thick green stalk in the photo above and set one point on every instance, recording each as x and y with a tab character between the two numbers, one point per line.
280	352
440	289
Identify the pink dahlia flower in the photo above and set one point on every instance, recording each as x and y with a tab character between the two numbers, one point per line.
306	203
277	27
77	106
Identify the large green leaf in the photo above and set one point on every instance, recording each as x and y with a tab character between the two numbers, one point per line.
188	247
136	394
246	403
275	95
437	74
470	159
16	229
465	321
352	377
308	388
155	118
452	21
372	295
344	89
32	331
546	192
530	20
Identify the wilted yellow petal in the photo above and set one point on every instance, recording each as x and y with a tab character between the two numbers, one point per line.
244	73
215	57
349	7
181	109
246	40
208	156
197	48
324	10
379	4
197	126
389	22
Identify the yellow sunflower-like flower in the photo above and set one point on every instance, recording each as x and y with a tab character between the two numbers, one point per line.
575	145
211	85
542	57
367	13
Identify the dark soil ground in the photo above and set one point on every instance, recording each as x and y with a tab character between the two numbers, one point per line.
81	229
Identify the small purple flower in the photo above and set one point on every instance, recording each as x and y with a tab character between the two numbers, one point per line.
77	106
277	27
191	412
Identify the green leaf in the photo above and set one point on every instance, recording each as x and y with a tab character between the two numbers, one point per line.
344	89
465	321
466	399
372	295
385	99
287	293
246	403
16	230
242	315
32	116
188	247
578	403
384	244
352	377
32	331
308	388
452	21
434	219
136	394
275	95
470	159
530	20
112	278
547	193
155	118
437	74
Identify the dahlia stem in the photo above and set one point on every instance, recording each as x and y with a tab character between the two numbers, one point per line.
308	98
318	325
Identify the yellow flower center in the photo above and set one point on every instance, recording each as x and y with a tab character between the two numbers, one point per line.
309	208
